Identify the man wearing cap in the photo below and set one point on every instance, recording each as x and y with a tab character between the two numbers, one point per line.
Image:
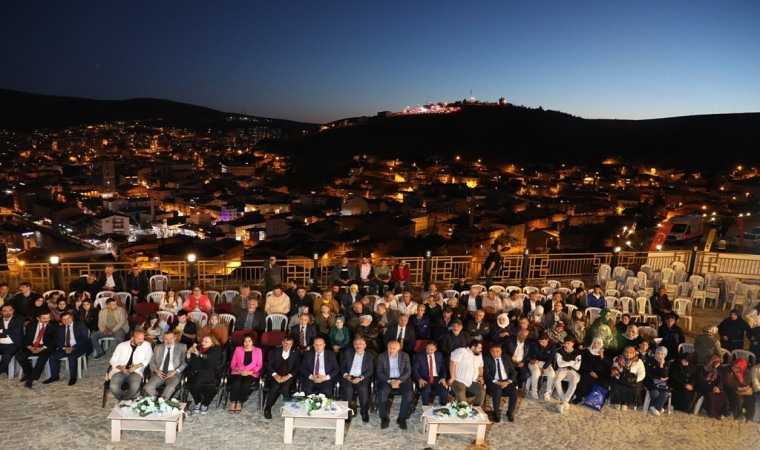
672	336
466	372
370	332
455	338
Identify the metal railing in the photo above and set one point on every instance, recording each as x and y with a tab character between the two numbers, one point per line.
221	275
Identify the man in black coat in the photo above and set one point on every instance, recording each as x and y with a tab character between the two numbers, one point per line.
281	368
356	368
402	332
501	379
519	348
304	333
319	369
137	284
430	372
73	342
40	340
11	335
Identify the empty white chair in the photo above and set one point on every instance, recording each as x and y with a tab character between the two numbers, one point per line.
575	284
613	302
570	309
684	290
156	296
604	274
158	283
682	307
666	276
678	265
631	286
626	304
712	293
647	269
644	310
213	296
530	289
642	279
547	290
277	322
565	291
697	281
610	285
619	274
612	293
553	283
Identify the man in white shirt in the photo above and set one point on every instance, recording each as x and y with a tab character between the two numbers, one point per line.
128	362
466	371
405	306
167	364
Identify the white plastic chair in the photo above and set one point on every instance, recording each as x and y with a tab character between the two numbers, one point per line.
276	322
530	289
155	296
184	293
46	293
166	316
448	293
712	293
678	265
314	294
198	317
100	302
612	293
746	354
645	407
592	313
496	288
565	291
626	305
613	302
482	287
604	274
547	290
126	299
158	283
554	283
682	307
228	295
571	309
228	319
615	315
509	289
106	294
213	296
666	276
685	348
644	310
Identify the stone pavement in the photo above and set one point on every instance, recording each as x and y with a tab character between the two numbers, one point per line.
57	416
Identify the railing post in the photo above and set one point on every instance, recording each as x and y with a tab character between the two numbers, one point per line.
315	272
692	260
426	269
525	268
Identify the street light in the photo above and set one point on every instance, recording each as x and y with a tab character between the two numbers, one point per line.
54	260
191	257
191	260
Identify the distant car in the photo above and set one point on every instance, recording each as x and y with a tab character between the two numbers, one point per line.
750	237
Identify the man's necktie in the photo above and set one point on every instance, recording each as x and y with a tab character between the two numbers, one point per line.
38	341
303	337
68	336
167	358
401	336
500	374
316	365
430	368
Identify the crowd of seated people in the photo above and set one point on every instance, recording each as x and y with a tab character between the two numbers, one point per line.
370	325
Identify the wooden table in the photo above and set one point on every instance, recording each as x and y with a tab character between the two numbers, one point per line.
169	424
436	425
299	418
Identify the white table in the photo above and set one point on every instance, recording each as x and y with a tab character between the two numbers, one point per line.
299	418
125	420
436	425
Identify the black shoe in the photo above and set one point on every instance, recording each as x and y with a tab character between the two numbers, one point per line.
99	356
496	418
511	418
72	381
385	423
365	418
267	414
401	423
25	378
51	380
28	383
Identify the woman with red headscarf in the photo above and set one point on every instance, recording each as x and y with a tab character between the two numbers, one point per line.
710	385
739	389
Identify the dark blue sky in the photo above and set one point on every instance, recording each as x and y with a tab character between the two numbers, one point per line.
324	60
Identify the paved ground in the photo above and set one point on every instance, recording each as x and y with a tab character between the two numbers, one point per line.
57	416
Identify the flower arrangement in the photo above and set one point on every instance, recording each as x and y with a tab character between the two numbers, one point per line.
313	402
463	410
145	406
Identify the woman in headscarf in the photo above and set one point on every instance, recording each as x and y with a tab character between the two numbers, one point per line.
500	330
706	344
557	334
732	331
593	329
352	297
578	327
739	389
629	338
340	337
608	339
595	369
656	381
626	375
683	379
216	328
536	318
710	385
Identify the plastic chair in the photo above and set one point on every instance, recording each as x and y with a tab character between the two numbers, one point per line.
725	356
227	296
126	299
198	317
644	310
683	309
511	289
575	284
626	304
158	283
530	289
46	293
570	309
449	293
553	283
166	316
615	315
482	287
184	293
645	407
276	322
592	313
104	294
496	288
712	293
314	294
746	354
228	319
81	366
685	348
213	296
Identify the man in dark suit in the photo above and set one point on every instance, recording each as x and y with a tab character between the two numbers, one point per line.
519	349
166	365
394	373
501	379
530	302
356	367
110	280
11	335
401	332
73	342
39	341
429	371
137	284
281	368
319	370
304	333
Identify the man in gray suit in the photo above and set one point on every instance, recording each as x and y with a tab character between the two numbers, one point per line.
394	376
166	365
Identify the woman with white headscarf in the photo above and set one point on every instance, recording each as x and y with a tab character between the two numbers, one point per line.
500	331
595	369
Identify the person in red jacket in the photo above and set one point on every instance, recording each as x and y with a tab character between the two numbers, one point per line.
401	277
197	301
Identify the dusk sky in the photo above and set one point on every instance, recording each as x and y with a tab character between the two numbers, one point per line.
320	61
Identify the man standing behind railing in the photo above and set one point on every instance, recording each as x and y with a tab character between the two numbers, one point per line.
272	274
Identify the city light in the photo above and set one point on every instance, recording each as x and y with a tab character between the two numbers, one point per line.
54	260
191	257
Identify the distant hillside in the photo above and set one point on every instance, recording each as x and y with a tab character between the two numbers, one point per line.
25	111
519	134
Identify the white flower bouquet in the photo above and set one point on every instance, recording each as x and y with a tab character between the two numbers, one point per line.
463	410
313	402
145	406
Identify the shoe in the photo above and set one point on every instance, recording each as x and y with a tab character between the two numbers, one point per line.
72	381
232	408
365	418
384	423
496	418
28	383
239	407
268	414
534	394
654	410
560	408
547	397
204	410
51	380
624	407
25	378
565	406
99	356
401	423
511	417
197	409
615	405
